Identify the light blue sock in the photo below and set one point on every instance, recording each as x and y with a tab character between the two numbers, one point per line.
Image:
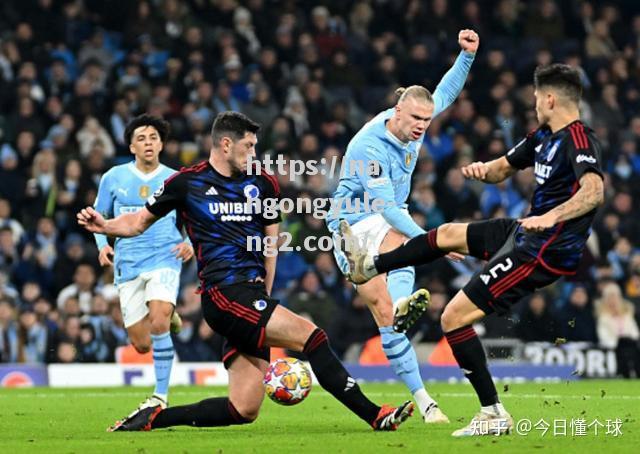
402	357
397	347
400	282
162	362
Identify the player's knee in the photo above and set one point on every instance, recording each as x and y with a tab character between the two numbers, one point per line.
445	232
449	320
142	347
159	321
159	325
248	412
306	331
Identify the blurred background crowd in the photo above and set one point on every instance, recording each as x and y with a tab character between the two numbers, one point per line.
72	73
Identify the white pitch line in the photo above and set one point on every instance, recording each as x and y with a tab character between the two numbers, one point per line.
72	394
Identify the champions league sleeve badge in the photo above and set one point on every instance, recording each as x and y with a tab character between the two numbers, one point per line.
260	305
374	170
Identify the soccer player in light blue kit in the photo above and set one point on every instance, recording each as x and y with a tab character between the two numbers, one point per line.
379	161
147	267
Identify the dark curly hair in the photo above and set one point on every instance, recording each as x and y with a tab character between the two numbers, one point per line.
158	123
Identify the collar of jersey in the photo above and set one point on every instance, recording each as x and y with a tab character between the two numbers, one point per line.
564	128
144	176
394	139
215	171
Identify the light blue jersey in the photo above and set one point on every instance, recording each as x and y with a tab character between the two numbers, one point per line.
125	189
390	179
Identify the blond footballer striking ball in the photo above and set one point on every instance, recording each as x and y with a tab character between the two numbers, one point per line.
287	381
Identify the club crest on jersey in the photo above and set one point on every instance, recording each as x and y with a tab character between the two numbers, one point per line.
144	191
552	151
260	305
251	191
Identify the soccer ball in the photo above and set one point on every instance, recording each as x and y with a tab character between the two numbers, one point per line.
287	381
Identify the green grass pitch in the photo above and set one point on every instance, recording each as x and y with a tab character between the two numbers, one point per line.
74	421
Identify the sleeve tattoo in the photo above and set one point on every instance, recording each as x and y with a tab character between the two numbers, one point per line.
589	196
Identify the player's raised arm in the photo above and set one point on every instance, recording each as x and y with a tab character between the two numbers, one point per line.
453	81
519	157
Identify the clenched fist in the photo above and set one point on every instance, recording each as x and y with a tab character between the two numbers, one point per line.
476	171
469	40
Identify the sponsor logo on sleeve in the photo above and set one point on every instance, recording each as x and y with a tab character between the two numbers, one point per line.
585	158
377	182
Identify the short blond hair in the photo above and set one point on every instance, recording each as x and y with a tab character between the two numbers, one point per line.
414	91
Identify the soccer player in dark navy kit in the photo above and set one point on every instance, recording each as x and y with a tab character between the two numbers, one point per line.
524	254
211	198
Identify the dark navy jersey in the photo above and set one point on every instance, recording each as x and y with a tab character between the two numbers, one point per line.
219	220
559	160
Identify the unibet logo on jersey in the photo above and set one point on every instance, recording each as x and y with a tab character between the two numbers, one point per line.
232	211
542	172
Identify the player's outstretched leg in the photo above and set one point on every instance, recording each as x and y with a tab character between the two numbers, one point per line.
288	330
456	320
396	346
242	406
422	249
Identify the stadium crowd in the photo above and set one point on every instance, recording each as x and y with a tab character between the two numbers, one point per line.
72	73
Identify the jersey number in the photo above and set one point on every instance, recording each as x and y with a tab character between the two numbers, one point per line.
506	266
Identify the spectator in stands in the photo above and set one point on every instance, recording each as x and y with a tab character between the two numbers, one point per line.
8	333
537	323
599	43
312	301
423	200
9	254
6	220
262	108
32	338
578	323
39	254
91	348
82	288
353	324
12	182
617	329
545	22
92	132
40	190
70	194
66	352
